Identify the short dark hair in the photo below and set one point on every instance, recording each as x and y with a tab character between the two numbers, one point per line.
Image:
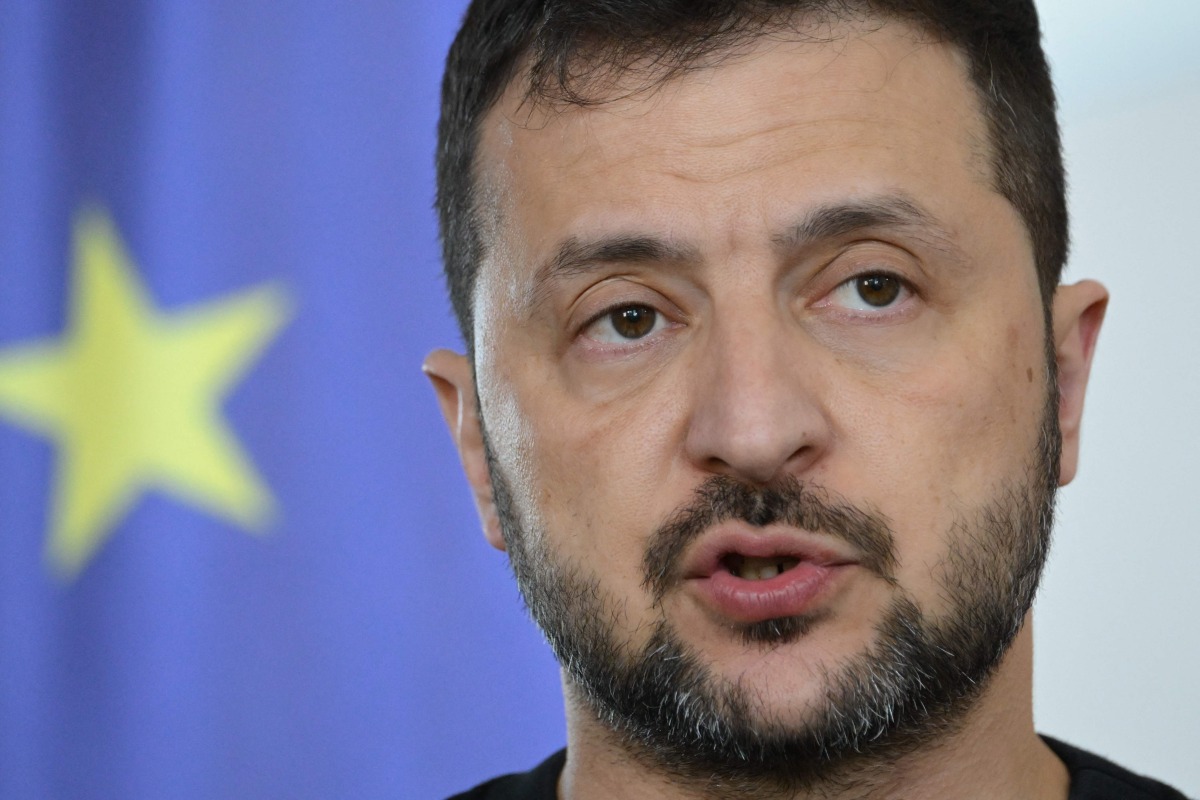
569	48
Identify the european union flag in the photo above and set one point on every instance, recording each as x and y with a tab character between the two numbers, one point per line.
232	532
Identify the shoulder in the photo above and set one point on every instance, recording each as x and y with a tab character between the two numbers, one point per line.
1096	778
540	783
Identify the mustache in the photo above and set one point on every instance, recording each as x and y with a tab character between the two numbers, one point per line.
787	501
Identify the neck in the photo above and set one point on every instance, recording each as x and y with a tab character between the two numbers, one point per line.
994	752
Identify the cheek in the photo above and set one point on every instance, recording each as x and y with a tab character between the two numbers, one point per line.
943	438
509	438
597	474
977	407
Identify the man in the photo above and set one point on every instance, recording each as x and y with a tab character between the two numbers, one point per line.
770	384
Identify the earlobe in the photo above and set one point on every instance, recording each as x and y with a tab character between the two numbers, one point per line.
1078	312
453	382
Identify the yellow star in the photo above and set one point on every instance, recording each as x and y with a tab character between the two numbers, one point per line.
132	398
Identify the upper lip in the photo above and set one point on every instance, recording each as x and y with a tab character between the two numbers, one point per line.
706	555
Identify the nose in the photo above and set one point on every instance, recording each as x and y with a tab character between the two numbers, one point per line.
757	413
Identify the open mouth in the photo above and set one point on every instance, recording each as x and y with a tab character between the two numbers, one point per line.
755	568
748	576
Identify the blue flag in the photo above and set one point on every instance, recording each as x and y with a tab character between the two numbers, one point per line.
236	555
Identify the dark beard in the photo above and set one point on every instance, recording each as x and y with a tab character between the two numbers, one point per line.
911	686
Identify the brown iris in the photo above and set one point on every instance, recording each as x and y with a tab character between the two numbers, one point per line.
878	290
633	322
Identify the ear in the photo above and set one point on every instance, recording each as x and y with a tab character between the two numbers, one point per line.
1078	312
454	385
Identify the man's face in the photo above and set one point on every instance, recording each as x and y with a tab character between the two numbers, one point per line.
787	282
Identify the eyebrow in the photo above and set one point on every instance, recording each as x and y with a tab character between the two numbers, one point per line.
837	220
577	255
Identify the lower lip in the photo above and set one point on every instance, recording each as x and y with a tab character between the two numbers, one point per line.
789	594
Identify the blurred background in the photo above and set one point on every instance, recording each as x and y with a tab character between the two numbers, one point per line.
275	586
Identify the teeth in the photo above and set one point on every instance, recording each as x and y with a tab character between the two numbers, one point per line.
760	569
766	572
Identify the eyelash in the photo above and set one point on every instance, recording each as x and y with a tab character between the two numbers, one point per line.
904	290
658	320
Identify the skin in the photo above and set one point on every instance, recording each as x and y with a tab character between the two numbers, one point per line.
764	361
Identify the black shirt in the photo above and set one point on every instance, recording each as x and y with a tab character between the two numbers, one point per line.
1096	778
1092	778
540	783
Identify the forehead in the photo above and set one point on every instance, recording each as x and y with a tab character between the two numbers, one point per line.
730	150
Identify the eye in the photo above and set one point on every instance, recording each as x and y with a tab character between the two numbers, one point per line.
624	324
870	291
